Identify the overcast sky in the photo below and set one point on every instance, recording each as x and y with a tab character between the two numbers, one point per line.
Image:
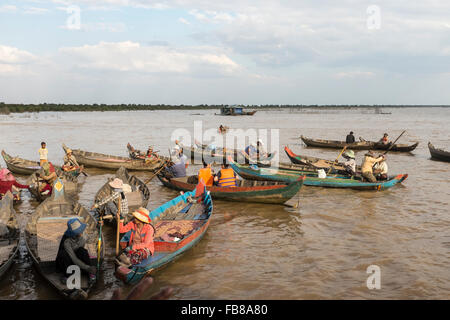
225	52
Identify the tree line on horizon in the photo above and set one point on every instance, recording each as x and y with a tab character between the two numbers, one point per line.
7	108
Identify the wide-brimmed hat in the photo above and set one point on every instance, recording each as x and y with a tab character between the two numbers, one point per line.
69	151
74	227
350	154
142	215
116	183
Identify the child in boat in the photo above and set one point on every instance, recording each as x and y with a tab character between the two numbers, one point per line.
140	244
226	177
71	250
206	174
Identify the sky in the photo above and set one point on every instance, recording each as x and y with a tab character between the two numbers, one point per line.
225	52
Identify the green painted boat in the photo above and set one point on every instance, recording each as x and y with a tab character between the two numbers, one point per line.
247	190
331	181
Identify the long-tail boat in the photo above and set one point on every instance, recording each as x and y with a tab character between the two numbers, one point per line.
70	182
43	234
9	233
314	162
246	191
104	161
138	197
331	181
179	224
359	145
438	154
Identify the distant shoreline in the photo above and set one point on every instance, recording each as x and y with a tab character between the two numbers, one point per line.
6	108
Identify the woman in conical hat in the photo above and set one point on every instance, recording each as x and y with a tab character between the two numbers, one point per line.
140	244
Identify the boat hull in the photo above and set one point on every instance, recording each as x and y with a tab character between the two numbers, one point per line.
438	154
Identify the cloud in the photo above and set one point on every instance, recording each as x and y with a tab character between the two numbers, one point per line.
132	57
184	21
35	10
14	61
8	8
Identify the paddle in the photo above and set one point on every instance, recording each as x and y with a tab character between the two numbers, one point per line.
118	223
99	245
336	161
394	142
151	178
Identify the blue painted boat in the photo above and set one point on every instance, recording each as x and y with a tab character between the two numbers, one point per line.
334	181
189	218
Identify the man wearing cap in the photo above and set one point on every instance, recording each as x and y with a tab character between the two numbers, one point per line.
118	191
350	164
350	138
71	250
367	166
140	243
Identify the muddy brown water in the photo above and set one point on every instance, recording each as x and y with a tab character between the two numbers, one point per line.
320	250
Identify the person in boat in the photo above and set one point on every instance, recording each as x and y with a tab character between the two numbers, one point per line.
8	183
385	139
367	166
140	244
118	191
251	150
350	138
177	169
72	251
150	155
260	151
70	162
380	170
226	177
221	129
350	164
206	174
43	153
48	178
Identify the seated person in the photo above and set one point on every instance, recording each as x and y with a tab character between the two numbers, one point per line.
48	178
350	164
226	177
140	245
70	162
380	170
71	251
251	151
118	190
9	183
385	139
350	138
206	174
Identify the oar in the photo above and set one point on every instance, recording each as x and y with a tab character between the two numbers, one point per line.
336	161
394	142
151	178
99	245
118	223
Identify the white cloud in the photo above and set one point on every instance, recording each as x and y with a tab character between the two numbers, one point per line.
35	10
14	61
130	56
8	8
184	21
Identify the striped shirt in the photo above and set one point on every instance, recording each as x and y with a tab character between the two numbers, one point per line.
114	196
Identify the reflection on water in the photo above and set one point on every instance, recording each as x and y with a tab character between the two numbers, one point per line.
319	250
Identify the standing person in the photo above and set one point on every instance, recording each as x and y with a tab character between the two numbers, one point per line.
71	250
206	174
367	166
43	154
350	138
226	177
350	164
140	244
111	208
380	169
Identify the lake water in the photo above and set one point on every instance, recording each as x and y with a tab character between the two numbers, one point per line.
320	250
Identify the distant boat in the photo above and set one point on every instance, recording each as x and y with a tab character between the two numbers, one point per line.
234	111
378	111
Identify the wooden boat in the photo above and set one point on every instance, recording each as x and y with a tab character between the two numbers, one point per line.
139	196
314	162
188	218
235	111
19	165
103	161
359	145
246	191
70	182
331	181
43	234
138	154
9	233
438	154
